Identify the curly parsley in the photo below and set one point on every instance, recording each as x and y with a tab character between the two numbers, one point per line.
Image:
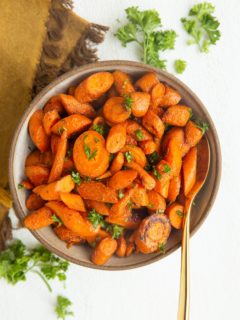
127	102
204	126
139	134
76	178
62	308
180	66
129	156
96	218
99	128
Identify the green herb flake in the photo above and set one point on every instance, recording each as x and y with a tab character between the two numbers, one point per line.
56	220
76	178
62	308
156	173
180	66
166	168
204	126
95	218
99	128
120	194
96	140
153	158
179	213
90	154
20	186
116	231
127	102
87	179
162	247
129	156
139	134
61	129
150	206
111	157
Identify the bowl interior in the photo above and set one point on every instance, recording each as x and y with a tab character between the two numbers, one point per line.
22	145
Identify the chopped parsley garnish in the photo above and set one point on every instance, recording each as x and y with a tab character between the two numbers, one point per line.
127	102
156	173
162	247
129	156
150	205
153	158
99	128
120	194
166	168
95	218
20	186
115	230
179	213
180	66
139	134
204	126
62	308
76	177
90	154
56	220
61	129
96	139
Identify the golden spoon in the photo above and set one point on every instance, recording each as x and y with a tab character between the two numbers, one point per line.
203	162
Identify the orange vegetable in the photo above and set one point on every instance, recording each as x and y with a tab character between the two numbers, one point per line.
116	138
147	81
174	188
52	190
34	202
54	104
73	106
193	134
156	202
121	247
140	196
130	249
134	153
90	155
37	158
148	147
189	170
137	131
173	157
100	207
49	119
54	143
72	219
97	191
71	90
162	186
37	132
58	163
122	82
117	163
157	94
175	213
27	185
93	87
106	175
73	201
176	134
153	124
115	111
122	179
147	180
38	219
170	98
75	123
68	236
104	251
37	174
152	232
140	103
177	115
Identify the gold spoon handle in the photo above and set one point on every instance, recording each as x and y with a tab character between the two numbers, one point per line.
184	294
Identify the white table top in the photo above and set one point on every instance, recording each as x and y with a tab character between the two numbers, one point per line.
152	292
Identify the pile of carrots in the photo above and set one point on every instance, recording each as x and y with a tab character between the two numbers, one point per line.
113	163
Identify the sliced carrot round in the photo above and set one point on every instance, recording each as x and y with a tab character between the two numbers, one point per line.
115	111
116	138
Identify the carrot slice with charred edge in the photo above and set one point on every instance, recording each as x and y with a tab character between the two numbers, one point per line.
147	180
72	219
27	184
37	132
116	138
140	196
97	191
140	103
73	106
122	82
52	190
170	98
117	163
157	94
104	251
121	247
38	219
122	179
100	207
130	249
137	131
89	154
37	174
114	110
193	134
58	163
174	188
73	201
147	81
153	231
37	158
173	157
153	124
156	202
34	202
148	147
94	87
134	153
68	236
175	213
189	170
75	123
54	104
177	115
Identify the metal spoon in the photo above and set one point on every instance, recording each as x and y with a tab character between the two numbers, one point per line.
203	162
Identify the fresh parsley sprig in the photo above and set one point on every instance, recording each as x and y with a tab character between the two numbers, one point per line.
180	66
62	308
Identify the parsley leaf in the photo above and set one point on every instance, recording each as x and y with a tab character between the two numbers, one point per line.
179	213
91	154
95	218
99	128
139	134
180	66
156	173
57	220
144	28
120	194
20	186
62	308
166	168
76	177
150	205
128	101
162	247
204	126
153	158
116	231
202	26
129	156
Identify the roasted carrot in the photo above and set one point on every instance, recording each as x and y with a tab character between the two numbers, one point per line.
140	103
148	147
117	163
162	186
157	94
137	131
37	174
75	123
58	163
153	124
100	207
147	180
105	175
104	251
140	196
27	184
38	219
170	98
193	134
73	106
115	111
130	249
49	119
173	157
189	170
68	236
116	138
147	81
152	232
54	143
37	132
97	191
73	201
174	188
156	202
38	158
175	213
121	247
177	115
176	134
134	153
122	179
34	202
54	104
122	83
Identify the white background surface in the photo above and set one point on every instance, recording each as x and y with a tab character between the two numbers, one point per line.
152	292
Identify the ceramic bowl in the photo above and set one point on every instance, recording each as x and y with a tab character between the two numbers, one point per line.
22	142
